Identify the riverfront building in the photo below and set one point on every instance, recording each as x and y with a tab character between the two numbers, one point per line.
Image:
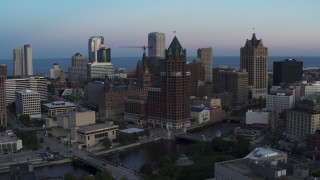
169	104
35	83
287	71
28	103
254	59
9	143
261	163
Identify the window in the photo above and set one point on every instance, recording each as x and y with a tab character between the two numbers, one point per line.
88	137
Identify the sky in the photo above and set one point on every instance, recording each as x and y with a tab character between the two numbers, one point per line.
60	28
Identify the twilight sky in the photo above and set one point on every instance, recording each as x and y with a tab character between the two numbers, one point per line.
60	28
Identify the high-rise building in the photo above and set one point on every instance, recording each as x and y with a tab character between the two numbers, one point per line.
254	59
197	71
169	104
79	67
104	55
156	43
17	69
287	71
28	103
56	72
3	112
235	82
205	56
94	44
38	84
27	55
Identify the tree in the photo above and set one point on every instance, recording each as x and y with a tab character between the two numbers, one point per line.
106	143
146	169
70	176
226	109
242	147
104	175
29	139
2	128
88	177
221	145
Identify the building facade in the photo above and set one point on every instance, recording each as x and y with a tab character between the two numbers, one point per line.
197	80
104	55
78	71
94	44
235	82
3	110
27	60
59	107
283	71
254	59
28	103
9	143
156	43
205	56
280	99
136	109
38	84
17	69
99	71
56	72
169	104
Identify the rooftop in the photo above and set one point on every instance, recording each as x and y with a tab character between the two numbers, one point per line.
59	104
131	130
27	91
8	138
96	127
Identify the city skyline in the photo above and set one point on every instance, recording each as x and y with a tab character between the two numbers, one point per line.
62	28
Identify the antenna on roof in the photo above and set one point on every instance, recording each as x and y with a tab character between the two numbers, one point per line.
253	30
174	32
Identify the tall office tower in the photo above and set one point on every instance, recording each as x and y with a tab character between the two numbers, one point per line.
169	104
205	56
254	59
197	71
156	43
17	69
27	59
235	82
56	72
287	71
3	110
78	70
104	55
94	44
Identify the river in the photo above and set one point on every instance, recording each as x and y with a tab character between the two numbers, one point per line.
135	157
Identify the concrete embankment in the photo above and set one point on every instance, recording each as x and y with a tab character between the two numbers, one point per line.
120	148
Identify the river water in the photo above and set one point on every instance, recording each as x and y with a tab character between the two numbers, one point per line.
135	157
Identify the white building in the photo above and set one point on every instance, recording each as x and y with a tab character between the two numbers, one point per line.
38	84
55	72
99	70
156	43
308	89
257	117
201	113
28	102
280	101
27	67
10	143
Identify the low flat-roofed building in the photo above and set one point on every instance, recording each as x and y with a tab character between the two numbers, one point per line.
93	134
59	107
261	163
201	113
10	143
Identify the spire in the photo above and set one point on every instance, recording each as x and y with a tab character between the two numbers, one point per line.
175	48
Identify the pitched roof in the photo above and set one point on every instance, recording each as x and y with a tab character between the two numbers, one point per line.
175	48
254	42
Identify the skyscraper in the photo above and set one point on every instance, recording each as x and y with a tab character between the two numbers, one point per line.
3	112
78	71
104	55
156	43
169	104
287	71
94	44
17	69
27	67
205	56
254	59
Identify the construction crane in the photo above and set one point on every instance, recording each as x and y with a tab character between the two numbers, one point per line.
141	47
